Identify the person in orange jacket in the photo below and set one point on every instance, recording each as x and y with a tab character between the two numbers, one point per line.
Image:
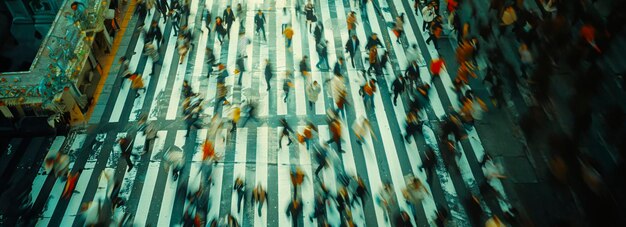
369	89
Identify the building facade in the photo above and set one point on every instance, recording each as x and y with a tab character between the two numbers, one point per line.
58	87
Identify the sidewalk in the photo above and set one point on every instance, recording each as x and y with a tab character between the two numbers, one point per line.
528	184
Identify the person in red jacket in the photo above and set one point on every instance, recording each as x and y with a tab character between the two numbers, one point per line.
435	68
70	184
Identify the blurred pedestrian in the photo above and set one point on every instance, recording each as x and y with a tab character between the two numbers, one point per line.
174	158
526	59
137	84
286	19
428	163
312	93
412	126
288	32
310	16
373	41
322	52
321	156
151	134
385	200
207	20
210	60
428	13
182	45
297	176
294	210
259	196
229	18
287	85
240	14
436	31
397	86
369	89
151	51
335	132
307	134
436	65
398	28
403	219
352	47
286	131
338	67
154	34
259	20
250	108
70	184
304	67
240	188
318	32
352	22
412	74
361	191
219	28
142	11
361	129
186	90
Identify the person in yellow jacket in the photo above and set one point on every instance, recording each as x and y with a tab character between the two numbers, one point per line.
137	83
235	115
288	32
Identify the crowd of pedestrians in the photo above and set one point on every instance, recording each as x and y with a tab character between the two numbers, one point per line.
533	32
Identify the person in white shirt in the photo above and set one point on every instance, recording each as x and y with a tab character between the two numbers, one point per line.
428	13
286	19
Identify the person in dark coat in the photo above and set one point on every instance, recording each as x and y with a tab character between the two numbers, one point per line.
319	211
412	73
318	32
154	33
176	17
352	47
259	21
373	41
398	87
210	61
207	20
338	66
142	11
268	74
229	18
163	7
304	67
403	219
428	163
126	151
187	92
286	132
294	210
240	187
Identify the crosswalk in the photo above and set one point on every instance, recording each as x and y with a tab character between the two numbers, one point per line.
252	152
